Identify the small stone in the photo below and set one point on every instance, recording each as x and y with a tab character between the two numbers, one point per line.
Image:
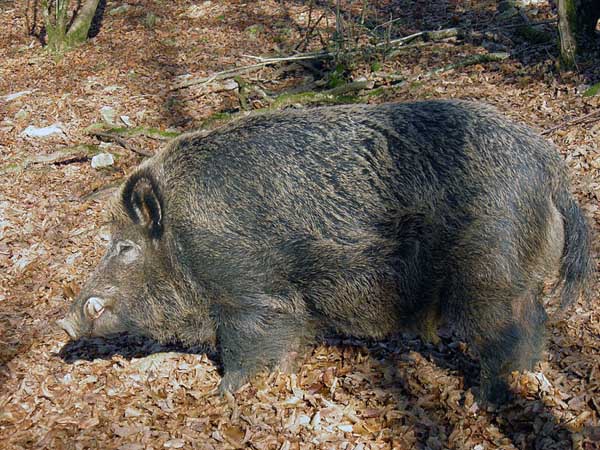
346	428
71	258
543	382
16	95
127	121
303	419
108	115
174	443
197	11
102	160
230	85
119	10
132	412
316	421
22	114
35	132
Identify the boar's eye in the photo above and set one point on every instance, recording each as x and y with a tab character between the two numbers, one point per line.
127	250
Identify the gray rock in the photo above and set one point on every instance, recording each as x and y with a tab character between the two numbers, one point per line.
102	160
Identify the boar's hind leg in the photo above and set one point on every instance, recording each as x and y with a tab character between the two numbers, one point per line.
494	298
507	338
256	337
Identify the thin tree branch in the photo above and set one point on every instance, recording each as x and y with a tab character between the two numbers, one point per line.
266	61
575	121
109	137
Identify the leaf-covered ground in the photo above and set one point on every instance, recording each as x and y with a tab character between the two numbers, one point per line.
130	393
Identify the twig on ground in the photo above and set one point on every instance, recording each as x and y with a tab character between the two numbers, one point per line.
353	86
434	35
229	73
155	137
101	192
109	137
571	122
517	25
404	48
298	57
475	59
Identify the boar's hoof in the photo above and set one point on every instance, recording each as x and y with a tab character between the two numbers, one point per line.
290	363
494	392
232	381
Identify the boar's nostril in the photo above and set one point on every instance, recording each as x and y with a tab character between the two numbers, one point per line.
68	327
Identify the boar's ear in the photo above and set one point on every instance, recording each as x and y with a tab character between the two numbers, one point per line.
142	201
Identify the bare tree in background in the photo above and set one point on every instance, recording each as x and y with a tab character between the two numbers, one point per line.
67	23
577	21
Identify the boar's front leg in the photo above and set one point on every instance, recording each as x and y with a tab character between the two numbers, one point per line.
257	335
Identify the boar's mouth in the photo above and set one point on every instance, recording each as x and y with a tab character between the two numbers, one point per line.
68	326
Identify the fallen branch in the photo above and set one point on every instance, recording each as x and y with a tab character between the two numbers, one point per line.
298	57
101	192
229	73
571	122
110	137
65	155
336	95
530	23
404	48
347	93
434	35
347	88
125	132
475	59
61	157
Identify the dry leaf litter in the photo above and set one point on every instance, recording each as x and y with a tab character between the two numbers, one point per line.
132	394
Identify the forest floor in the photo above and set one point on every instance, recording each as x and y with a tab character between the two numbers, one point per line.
131	393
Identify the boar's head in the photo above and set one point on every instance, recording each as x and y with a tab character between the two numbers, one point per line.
136	287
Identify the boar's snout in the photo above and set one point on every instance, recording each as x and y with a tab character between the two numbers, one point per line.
79	320
92	316
68	326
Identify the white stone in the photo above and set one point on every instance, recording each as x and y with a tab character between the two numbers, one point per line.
127	121
16	95
108	115
102	160
35	132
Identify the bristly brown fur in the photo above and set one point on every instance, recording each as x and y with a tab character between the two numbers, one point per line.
363	220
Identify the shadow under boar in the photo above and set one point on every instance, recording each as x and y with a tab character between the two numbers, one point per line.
361	220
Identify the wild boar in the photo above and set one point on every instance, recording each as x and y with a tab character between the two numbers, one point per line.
361	220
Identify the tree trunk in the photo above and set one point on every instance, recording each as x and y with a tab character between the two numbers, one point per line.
566	31
55	17
78	31
577	21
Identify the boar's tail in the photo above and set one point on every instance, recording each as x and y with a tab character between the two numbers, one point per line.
577	265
